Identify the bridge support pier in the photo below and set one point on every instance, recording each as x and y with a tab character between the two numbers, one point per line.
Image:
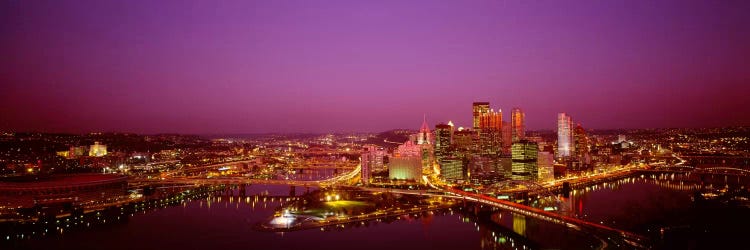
243	190
566	189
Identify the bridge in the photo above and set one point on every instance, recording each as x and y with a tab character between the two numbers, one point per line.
336	180
605	234
704	170
337	166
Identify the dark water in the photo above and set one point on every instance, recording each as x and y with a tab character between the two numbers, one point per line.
224	220
664	207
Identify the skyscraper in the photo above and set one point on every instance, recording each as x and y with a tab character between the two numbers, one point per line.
479	108
507	136
490	142
545	164
465	141
371	160
524	160
580	142
490	132
517	119
491	120
564	135
452	169
424	136
442	140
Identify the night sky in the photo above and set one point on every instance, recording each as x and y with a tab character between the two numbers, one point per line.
334	66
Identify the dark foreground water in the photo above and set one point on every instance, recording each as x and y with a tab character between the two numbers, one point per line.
642	205
678	211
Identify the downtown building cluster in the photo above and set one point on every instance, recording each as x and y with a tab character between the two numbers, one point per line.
491	150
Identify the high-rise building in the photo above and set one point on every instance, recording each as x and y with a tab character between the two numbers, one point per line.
405	168
491	120
507	136
580	142
453	128
408	149
489	132
97	150
464	141
478	109
452	169
517	120
424	139
524	160
443	134
371	160
545	164
490	142
564	135
424	136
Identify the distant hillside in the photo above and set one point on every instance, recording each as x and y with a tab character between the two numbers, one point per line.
390	138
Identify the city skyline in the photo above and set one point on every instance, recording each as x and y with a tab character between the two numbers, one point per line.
311	67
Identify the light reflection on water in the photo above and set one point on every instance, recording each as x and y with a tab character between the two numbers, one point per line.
227	218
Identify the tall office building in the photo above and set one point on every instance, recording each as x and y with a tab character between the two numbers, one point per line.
443	134
424	136
580	142
408	149
545	163
453	128
524	160
491	120
490	132
490	142
465	141
507	136
452	169
371	160
517	120
478	109
564	135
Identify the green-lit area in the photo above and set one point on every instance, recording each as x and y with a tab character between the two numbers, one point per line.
346	204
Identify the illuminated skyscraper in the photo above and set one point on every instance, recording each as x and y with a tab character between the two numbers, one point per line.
465	141
517	120
424	136
524	160
545	164
491	120
452	169
443	134
580	142
507	136
408	149
564	135
371	160
490	142
490	132
479	108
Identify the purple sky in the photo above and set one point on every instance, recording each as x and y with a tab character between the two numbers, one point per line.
308	66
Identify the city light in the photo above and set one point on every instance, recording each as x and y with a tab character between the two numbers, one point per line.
274	125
